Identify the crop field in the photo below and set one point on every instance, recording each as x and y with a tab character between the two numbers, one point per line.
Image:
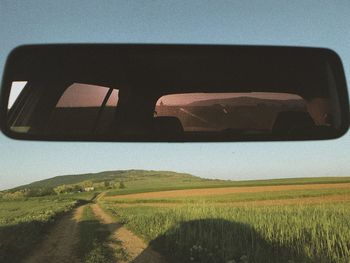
23	223
155	216
93	237
167	182
277	223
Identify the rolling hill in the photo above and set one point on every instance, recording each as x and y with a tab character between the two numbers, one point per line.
121	175
138	181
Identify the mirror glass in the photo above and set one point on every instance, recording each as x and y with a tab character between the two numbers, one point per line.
84	109
176	95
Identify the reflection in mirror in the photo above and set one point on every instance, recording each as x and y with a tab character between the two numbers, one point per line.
173	93
84	109
80	109
246	113
254	112
16	89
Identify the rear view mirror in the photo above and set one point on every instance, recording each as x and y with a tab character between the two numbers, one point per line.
173	93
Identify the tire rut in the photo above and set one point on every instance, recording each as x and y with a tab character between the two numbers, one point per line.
58	245
137	249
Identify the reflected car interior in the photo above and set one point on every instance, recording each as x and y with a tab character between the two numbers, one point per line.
83	109
174	93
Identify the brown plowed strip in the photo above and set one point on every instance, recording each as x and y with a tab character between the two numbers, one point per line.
298	201
229	190
157	204
136	248
289	201
58	246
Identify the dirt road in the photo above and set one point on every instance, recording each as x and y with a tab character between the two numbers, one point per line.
58	246
137	249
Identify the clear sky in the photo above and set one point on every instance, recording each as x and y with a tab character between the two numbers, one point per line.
301	23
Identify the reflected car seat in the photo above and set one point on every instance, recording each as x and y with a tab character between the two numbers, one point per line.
168	125
293	123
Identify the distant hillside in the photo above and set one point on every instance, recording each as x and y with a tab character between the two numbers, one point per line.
121	175
137	181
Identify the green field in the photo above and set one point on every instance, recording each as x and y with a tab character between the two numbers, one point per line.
164	182
311	224
152	181
93	240
232	198
24	222
205	233
187	218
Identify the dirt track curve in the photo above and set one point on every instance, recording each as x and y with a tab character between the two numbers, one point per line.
137	249
58	246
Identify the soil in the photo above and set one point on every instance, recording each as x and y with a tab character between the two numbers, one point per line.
137	249
229	190
58	245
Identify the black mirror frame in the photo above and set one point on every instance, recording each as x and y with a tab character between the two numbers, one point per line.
334	61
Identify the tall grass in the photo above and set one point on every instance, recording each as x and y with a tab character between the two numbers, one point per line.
92	246
24	223
208	233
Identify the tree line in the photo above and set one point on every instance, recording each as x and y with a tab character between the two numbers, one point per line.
85	186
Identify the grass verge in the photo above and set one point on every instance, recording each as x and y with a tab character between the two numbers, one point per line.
206	233
95	242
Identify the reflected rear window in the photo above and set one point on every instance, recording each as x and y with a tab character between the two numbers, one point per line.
249	112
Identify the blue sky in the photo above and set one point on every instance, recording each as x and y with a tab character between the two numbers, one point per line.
307	23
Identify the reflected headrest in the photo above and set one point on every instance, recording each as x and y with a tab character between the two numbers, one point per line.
168	125
289	122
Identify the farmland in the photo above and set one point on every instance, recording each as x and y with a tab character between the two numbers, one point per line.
203	233
173	217
278	223
24	222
